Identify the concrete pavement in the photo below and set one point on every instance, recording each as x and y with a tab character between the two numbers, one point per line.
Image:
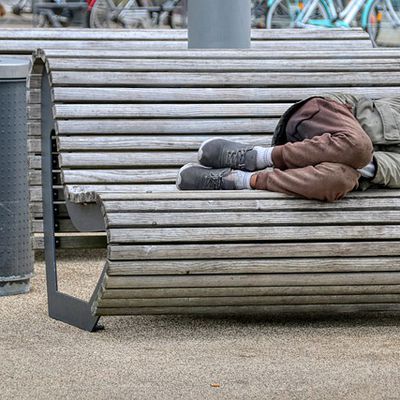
175	357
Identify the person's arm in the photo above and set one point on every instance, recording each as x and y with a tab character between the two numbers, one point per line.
387	171
343	98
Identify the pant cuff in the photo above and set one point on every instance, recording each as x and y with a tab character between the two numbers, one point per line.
277	157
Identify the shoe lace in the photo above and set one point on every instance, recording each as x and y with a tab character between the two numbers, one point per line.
213	180
236	158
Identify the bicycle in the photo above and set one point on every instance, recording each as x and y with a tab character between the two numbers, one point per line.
275	14
136	13
371	14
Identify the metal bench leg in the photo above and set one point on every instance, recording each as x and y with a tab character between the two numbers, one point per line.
61	306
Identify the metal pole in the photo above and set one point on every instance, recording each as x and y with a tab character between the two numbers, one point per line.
219	24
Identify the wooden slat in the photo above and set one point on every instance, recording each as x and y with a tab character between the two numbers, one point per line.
90	192
338	248
159	95
249	291
230	79
270	309
255	234
73	111
119	176
256	266
256	217
272	204
250	301
197	281
175	34
27	46
237	195
226	54
210	66
84	143
167	126
133	159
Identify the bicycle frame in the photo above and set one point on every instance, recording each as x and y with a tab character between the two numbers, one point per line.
343	19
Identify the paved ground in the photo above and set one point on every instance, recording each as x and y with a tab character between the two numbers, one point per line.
173	357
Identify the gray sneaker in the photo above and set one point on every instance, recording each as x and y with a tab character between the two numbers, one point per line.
222	153
196	177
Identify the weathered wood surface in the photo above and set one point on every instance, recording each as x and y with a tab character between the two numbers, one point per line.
244	194
249	291
261	309
339	248
28	46
255	234
224	54
256	266
255	217
176	34
131	143
230	79
250	301
80	111
174	65
167	126
250	280
212	95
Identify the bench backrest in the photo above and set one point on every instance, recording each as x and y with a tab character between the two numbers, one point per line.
25	41
127	124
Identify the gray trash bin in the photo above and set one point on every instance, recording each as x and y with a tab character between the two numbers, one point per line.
16	256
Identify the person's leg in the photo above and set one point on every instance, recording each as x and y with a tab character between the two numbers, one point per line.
326	181
319	131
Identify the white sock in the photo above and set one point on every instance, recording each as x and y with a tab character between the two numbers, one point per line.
264	157
368	171
241	179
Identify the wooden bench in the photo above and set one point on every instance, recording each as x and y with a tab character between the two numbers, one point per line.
119	133
120	45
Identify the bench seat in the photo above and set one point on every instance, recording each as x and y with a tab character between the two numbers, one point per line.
239	252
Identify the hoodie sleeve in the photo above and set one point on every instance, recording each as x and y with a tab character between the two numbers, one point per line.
344	98
387	169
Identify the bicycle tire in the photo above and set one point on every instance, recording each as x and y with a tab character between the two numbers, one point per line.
288	10
394	10
377	17
114	14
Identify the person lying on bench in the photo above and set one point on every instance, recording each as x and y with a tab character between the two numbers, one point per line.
323	147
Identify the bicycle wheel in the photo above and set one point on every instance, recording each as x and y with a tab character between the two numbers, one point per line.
379	19
393	7
116	14
282	14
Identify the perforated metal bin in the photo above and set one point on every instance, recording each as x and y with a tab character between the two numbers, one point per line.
16	257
